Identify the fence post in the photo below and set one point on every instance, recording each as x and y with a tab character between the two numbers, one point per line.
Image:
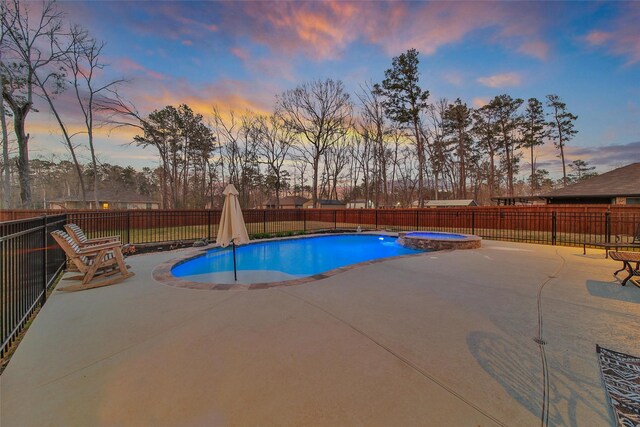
208	224
554	222
473	222
376	219
607	226
304	220
417	218
128	226
335	220
264	221
44	259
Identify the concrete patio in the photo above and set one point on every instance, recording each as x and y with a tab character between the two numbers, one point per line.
443	339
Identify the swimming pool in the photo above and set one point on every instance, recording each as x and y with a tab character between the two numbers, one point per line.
288	259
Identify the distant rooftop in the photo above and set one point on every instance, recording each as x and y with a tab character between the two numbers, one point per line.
289	200
624	181
447	203
330	202
110	196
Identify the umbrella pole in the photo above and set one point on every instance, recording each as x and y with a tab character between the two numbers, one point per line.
235	269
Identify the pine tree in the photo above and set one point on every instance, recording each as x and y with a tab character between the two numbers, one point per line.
508	122
534	133
456	123
405	101
561	128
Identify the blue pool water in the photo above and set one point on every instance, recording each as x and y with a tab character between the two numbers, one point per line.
289	259
434	235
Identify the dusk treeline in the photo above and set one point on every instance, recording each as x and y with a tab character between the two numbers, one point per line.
388	143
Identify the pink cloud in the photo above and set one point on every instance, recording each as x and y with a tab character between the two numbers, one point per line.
272	66
324	30
623	36
598	38
480	102
501	80
240	53
454	78
320	30
537	49
128	65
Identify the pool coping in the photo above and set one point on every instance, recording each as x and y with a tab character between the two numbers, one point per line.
162	272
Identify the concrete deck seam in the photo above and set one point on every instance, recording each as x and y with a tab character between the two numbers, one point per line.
398	356
544	416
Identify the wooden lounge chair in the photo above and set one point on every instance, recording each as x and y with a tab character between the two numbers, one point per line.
82	240
96	261
627	259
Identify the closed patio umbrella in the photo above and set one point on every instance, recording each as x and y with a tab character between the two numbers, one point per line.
232	228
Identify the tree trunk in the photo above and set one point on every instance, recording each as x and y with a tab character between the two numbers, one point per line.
463	172
533	172
492	171
314	196
564	166
94	164
6	200
420	164
24	173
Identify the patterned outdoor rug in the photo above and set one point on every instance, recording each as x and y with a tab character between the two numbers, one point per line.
621	376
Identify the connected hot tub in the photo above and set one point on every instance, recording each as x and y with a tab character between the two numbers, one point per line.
438	241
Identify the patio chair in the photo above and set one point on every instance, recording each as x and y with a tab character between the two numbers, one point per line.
96	261
82	240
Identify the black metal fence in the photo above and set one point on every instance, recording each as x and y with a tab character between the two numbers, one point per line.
30	262
545	226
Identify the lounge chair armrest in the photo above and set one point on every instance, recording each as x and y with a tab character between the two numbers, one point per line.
103	239
94	249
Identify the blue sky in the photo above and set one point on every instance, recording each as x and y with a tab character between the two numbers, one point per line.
239	55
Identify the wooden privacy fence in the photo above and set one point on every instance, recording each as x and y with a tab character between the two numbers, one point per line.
551	224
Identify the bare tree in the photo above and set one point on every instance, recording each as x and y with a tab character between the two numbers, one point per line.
6	170
336	158
319	112
51	84
84	60
375	129
439	149
29	41
273	142
239	150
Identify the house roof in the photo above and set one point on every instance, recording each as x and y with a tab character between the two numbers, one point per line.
330	202
624	181
110	196
289	200
459	202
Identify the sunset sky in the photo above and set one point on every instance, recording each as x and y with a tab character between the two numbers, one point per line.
241	54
